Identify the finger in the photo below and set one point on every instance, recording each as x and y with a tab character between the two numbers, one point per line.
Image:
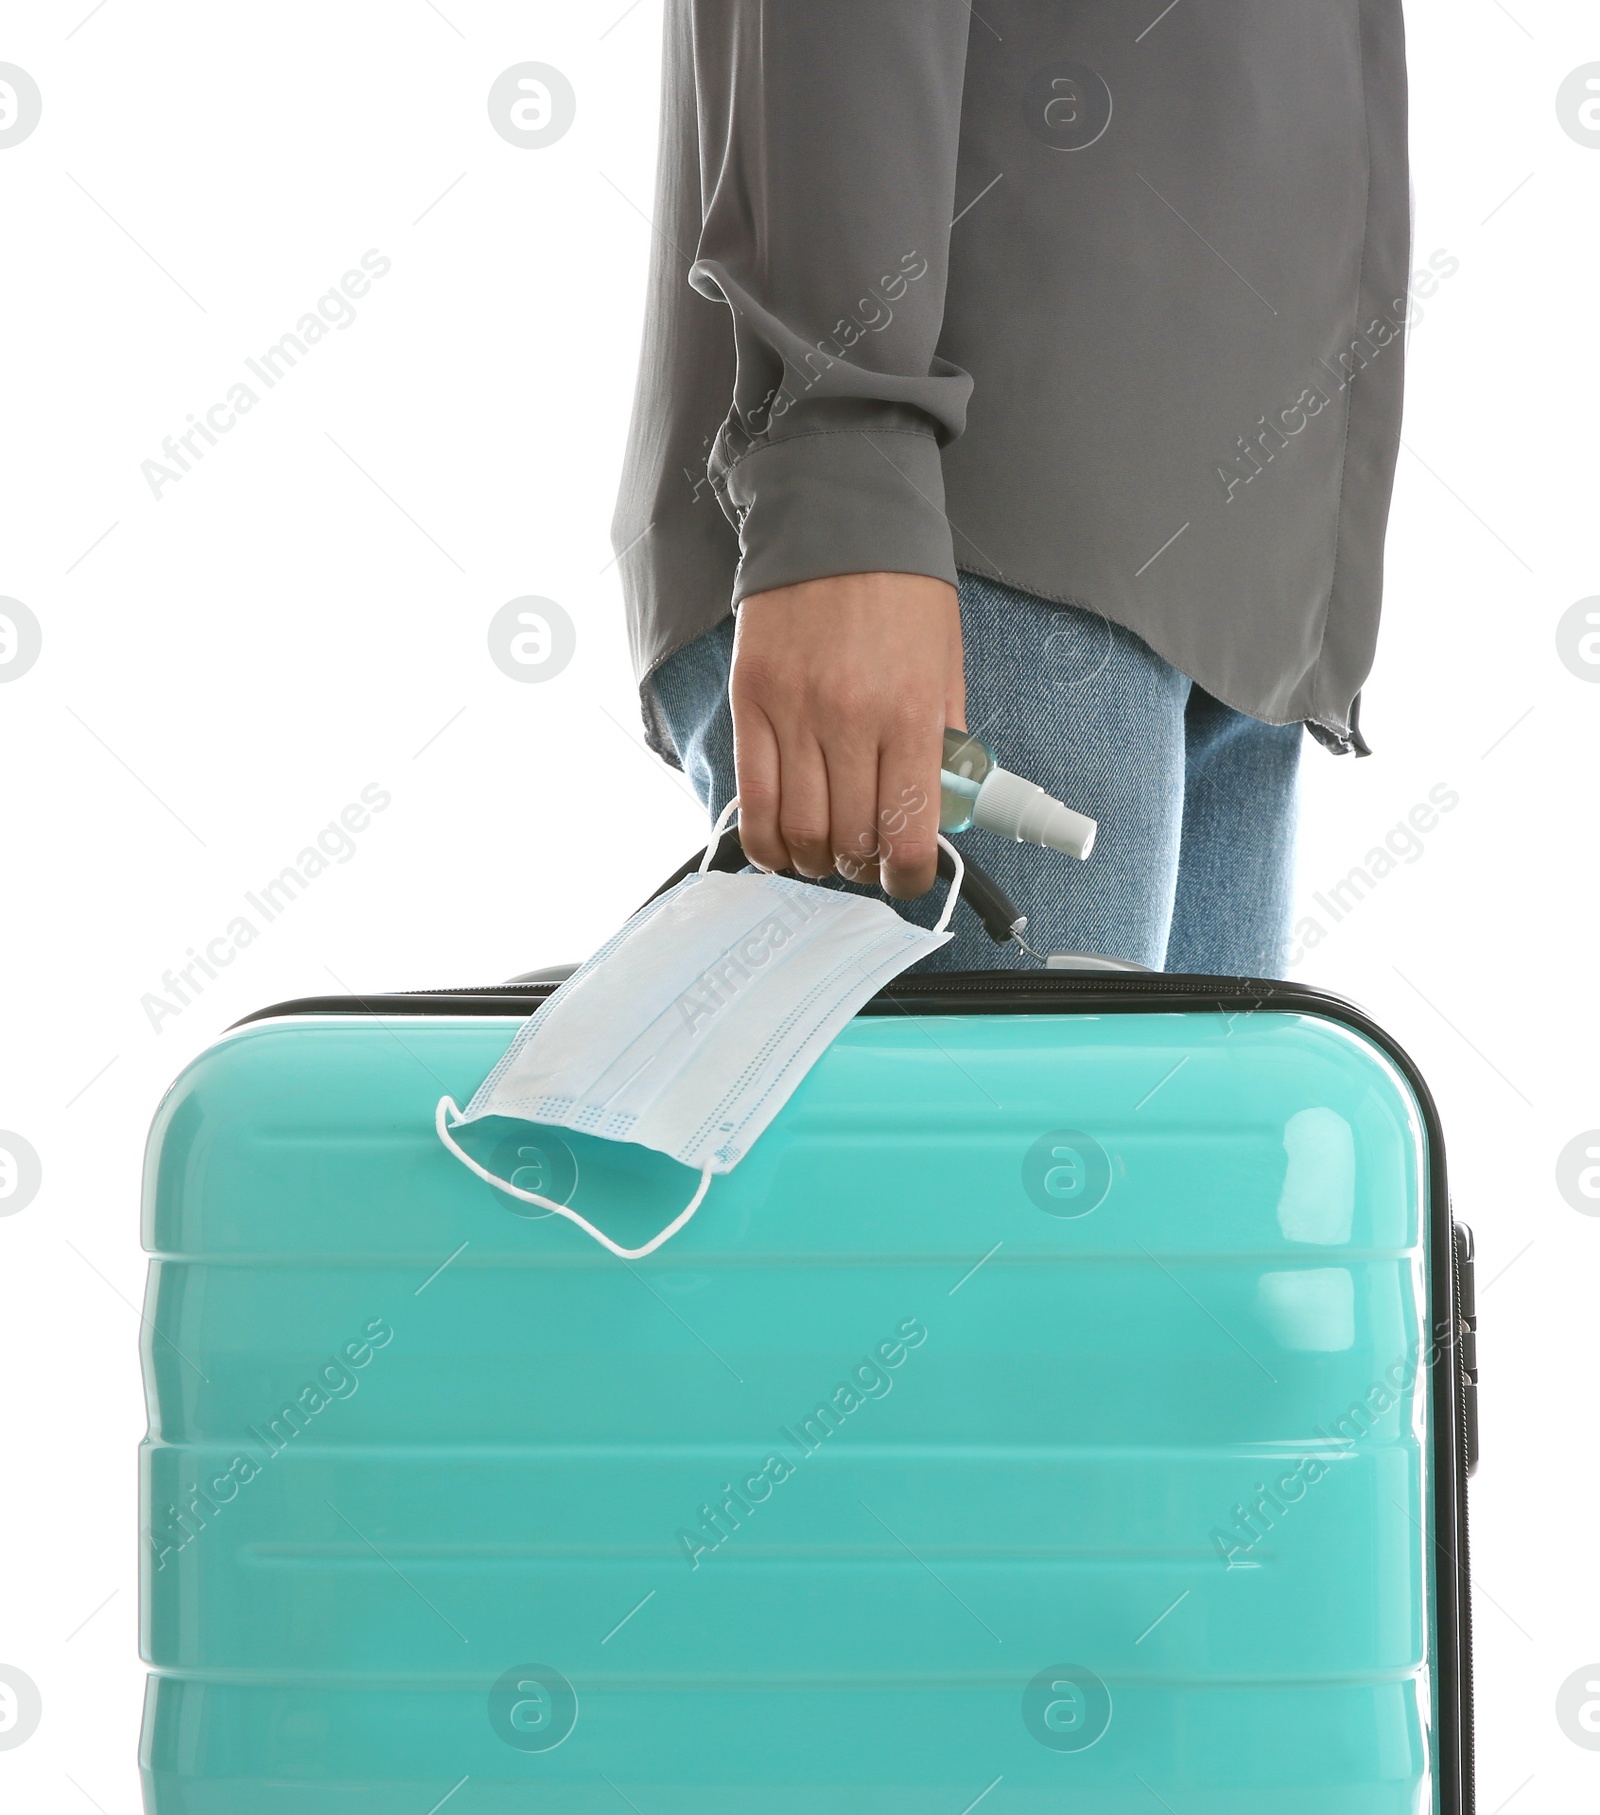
852	809
908	812
755	764
803	804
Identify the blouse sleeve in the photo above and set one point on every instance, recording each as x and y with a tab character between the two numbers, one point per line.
829	133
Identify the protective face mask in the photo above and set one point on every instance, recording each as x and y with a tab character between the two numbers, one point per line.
693	1025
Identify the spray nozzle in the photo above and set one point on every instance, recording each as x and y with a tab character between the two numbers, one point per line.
976	791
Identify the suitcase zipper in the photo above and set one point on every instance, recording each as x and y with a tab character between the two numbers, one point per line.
933	992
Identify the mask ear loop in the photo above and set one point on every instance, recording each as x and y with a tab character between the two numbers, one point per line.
942	924
448	1113
723	819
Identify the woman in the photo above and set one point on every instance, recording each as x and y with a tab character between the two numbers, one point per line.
1035	368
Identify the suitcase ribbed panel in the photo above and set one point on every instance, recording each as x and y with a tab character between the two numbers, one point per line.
843	1501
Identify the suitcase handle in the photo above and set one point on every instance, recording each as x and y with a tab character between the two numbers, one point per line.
1001	918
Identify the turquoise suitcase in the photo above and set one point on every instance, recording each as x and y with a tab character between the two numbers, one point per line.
1067	1405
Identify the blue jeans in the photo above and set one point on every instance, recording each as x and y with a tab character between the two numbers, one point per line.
1194	864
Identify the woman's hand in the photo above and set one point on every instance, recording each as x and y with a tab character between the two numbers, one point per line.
841	690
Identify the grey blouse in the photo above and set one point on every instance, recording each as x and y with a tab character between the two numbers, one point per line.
1101	300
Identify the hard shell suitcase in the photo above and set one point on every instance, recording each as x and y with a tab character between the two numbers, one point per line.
1067	1404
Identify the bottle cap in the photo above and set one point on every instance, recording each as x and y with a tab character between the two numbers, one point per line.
1020	809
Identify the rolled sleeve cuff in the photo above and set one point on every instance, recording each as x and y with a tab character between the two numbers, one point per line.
837	502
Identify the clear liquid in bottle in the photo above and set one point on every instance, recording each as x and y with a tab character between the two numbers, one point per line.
967	760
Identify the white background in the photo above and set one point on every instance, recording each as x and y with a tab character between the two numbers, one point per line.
225	668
